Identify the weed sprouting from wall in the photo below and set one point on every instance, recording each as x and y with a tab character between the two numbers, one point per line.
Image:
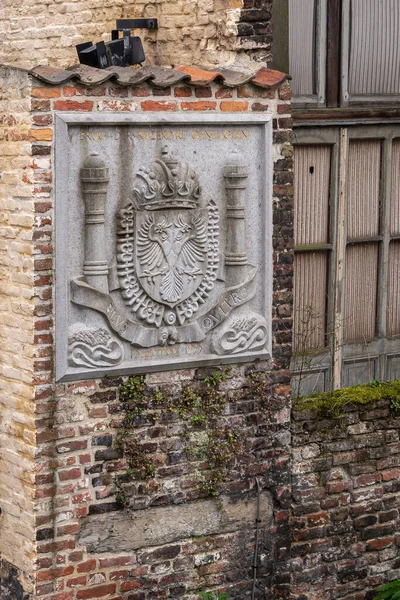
208	438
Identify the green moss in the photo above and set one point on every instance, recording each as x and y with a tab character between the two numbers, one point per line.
334	402
206	437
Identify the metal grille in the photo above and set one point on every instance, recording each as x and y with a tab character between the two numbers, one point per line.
310	283
393	308
312	175
312	182
363	189
395	195
302	45
360	293
374	47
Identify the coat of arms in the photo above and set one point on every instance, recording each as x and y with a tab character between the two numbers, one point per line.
168	259
168	248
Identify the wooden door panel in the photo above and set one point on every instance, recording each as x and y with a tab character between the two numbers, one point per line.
347	223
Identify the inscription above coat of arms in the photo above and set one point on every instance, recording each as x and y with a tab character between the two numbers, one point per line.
175	284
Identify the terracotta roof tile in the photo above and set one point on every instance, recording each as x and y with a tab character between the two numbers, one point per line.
200	76
158	76
268	78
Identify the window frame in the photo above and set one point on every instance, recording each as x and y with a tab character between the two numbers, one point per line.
332	56
316	99
384	358
346	99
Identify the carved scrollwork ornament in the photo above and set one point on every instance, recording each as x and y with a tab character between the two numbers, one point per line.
93	349
240	334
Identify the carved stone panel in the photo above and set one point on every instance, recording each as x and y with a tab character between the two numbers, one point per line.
164	242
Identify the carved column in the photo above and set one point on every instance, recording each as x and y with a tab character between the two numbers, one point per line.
235	174
94	177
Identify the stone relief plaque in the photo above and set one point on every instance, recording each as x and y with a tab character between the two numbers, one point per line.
163	242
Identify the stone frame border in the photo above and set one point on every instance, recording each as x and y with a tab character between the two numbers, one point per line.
62	123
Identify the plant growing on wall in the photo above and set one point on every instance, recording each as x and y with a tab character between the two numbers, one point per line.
204	595
389	591
207	437
334	402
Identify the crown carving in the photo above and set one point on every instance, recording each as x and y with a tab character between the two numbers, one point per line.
168	183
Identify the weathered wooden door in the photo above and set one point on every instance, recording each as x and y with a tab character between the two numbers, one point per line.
347	256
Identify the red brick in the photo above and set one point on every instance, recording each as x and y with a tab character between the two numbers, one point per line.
118	92
140	91
99	412
54	573
44	479
45	436
183	92
72	529
44	92
338	487
73	105
97	592
318	519
94	91
114	575
65	432
284	109
42	119
118	561
44	563
87	566
56	546
379	544
81	498
69	91
161	91
259	107
44	588
169	105
77	581
285	93
200	105
127	586
45	492
70	474
75	556
72	446
232	106
390	475
41	105
223	93
203	92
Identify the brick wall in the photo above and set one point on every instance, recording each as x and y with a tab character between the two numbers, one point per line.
17	431
206	32
346	502
76	424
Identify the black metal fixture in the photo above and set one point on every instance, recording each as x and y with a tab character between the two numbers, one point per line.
121	52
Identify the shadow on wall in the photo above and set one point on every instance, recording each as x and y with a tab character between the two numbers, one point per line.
10	587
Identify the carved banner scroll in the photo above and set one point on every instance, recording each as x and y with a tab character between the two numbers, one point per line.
164	256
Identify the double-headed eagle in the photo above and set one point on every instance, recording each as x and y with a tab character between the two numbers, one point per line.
172	247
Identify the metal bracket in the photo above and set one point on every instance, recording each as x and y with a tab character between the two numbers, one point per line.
122	24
